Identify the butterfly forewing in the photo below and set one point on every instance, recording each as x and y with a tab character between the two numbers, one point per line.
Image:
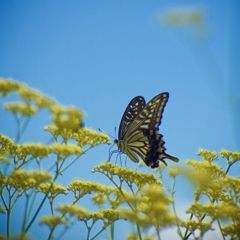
150	116
132	110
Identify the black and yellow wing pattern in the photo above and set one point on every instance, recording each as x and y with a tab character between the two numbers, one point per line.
138	132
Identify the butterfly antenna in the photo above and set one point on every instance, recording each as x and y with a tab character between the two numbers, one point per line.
115	130
106	133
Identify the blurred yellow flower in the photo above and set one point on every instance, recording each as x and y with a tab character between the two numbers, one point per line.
7	86
173	172
53	221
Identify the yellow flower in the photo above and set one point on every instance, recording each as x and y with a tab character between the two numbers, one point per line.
183	17
99	199
31	95
35	150
66	150
132	237
4	160
208	155
173	172
231	231
110	214
70	118
24	109
90	137
7	86
151	208
23	180
193	224
2	210
81	188
125	174
52	190
52	221
231	184
74	210
230	156
83	136
6	146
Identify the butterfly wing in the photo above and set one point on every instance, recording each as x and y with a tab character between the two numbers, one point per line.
132	110
150	116
140	137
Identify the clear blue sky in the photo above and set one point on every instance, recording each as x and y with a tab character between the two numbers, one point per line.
98	55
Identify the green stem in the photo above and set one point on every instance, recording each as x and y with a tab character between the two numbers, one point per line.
21	127
112	230
220	228
60	234
25	212
40	206
139	232
89	229
119	188
74	160
173	206
158	234
103	230
9	215
51	233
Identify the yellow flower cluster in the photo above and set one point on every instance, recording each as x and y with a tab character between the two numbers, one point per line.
53	221
221	191
7	86
74	210
192	225
230	156
30	95
83	136
81	188
111	194
151	208
35	150
67	117
90	137
208	155
23	109
232	230
51	190
6	145
206	176
28	151
127	175
23	180
33	101
183	17
108	216
133	237
64	151
173	172
221	210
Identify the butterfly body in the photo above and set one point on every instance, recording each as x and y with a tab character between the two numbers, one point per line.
138	132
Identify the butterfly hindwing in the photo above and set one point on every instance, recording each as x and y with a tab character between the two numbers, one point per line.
138	132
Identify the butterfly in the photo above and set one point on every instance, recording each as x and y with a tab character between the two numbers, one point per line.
138	132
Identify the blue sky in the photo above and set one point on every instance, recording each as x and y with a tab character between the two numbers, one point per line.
98	55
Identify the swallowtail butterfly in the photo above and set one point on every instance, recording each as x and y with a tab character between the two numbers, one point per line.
138	132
